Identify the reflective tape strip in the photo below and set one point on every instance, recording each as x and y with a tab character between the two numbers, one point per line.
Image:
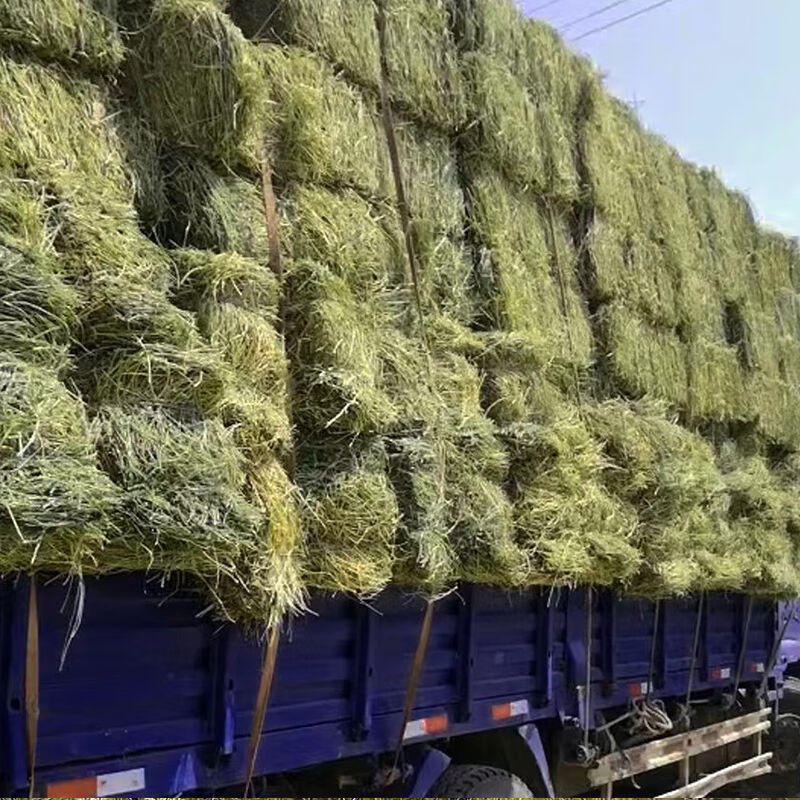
638	689
428	726
516	708
107	785
758	667
720	673
131	780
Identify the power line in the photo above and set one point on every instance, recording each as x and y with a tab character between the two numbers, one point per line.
544	5
621	20
596	13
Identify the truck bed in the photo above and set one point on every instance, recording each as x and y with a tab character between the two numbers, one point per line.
153	691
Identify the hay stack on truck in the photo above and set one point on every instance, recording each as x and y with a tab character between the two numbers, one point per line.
383	409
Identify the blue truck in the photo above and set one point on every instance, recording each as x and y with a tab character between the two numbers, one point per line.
123	686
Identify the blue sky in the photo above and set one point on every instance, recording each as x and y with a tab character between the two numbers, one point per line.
720	79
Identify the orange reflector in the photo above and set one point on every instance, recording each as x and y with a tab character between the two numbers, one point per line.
435	725
80	787
501	711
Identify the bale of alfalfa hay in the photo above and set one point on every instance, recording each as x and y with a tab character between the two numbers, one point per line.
207	277
271	584
56	131
632	267
573	530
198	81
211	211
505	127
437	208
83	33
532	287
325	130
56	506
142	157
183	505
341	31
654	463
432	182
337	345
28	223
719	386
773	261
423	74
236	303
355	239
776	409
139	348
512	395
350	514
495	27
38	310
609	146
642	360
759	514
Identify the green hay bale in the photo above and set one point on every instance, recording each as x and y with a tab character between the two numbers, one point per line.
432	183
273	581
718	383
325	130
56	127
701	309
139	348
248	342
776	405
556	73
204	277
55	504
773	261
642	360
534	273
512	395
352	518
505	126
337	347
222	213
760	510
183	506
457	521
341	31
259	420
446	282
198	81
37	310
158	374
341	231
496	27
609	150
573	529
632	268
77	32
422	70
142	152
27	222
425	556
652	462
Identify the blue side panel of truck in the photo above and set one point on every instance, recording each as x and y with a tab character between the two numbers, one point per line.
149	683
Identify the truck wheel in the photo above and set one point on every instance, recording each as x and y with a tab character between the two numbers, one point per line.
473	780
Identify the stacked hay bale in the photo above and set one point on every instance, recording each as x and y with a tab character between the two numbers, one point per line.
197	85
518	155
154	480
380	300
418	302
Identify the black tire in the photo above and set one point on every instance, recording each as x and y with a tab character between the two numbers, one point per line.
474	780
